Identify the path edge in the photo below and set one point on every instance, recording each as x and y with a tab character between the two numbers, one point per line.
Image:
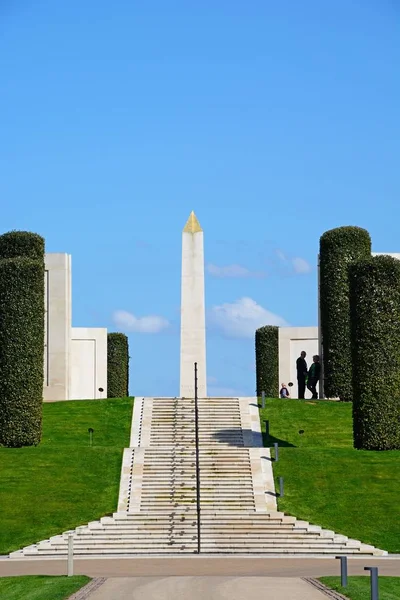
324	589
87	590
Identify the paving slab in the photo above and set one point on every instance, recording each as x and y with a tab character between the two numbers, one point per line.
212	588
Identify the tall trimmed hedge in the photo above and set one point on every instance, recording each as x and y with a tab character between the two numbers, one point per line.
339	248
375	336
21	338
117	365
16	244
267	361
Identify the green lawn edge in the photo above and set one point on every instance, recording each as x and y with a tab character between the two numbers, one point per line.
41	587
358	587
326	481
64	482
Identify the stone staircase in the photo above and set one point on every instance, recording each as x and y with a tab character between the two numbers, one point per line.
157	510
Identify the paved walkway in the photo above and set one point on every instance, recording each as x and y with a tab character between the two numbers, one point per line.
212	588
187	566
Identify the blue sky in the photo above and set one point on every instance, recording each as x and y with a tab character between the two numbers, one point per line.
274	121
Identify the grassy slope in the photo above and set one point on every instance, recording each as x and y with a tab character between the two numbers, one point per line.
358	588
329	483
63	482
40	587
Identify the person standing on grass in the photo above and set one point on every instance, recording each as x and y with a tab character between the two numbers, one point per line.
284	392
313	377
301	367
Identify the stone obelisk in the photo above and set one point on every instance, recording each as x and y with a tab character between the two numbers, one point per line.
193	320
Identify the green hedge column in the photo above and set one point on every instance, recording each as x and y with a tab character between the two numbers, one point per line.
21	339
339	248
16	244
267	361
375	318
117	366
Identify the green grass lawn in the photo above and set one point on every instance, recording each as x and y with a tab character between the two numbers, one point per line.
63	482
329	483
40	587
358	588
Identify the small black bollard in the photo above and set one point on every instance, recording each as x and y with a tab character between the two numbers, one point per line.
281	487
90	430
374	582
343	570
267	430
262	399
276	451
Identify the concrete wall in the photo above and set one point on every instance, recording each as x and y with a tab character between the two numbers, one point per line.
57	326
392	254
88	363
75	359
292	340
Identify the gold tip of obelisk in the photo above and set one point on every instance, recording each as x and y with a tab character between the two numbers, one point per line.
192	224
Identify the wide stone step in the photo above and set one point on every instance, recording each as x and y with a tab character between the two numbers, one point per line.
160	538
205	484
261	537
139	548
160	517
210	544
192	549
139	533
206	494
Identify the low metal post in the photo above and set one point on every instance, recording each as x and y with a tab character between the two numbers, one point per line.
343	570
70	570
262	399
374	582
90	430
276	451
281	490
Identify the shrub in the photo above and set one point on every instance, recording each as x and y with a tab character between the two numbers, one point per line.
21	350
267	361
375	337
22	243
339	248
117	365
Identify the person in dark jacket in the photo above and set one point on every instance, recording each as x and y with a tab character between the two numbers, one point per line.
284	392
301	366
313	376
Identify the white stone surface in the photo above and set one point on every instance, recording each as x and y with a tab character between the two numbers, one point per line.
88	363
75	359
57	326
193	326
392	254
292	340
125	485
136	425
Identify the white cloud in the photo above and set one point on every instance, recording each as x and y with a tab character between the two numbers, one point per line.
281	255
233	271
241	318
211	380
300	265
129	322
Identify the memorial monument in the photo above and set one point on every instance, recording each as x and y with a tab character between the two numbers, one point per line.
193	320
